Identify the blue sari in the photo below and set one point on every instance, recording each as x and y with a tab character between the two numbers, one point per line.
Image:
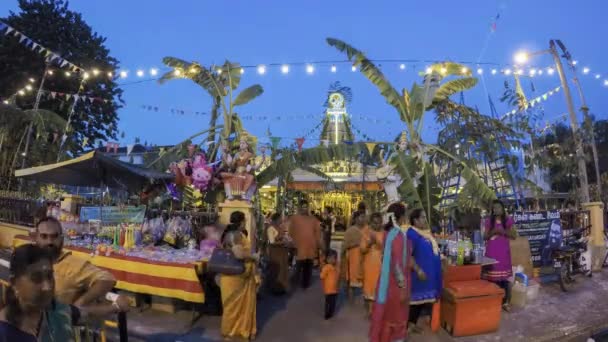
429	290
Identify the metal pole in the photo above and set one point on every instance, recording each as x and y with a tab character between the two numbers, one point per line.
36	105
591	130
580	156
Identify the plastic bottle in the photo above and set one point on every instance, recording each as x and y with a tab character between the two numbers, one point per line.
460	257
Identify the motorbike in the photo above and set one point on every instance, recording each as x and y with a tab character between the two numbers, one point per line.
571	258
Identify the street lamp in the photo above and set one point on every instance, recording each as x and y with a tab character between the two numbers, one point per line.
521	58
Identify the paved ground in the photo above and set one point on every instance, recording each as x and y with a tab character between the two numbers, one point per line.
554	316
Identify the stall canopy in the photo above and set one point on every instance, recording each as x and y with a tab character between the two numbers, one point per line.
94	169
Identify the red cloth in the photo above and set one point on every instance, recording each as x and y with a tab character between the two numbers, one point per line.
389	320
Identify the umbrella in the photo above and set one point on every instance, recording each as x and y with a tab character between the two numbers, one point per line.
94	169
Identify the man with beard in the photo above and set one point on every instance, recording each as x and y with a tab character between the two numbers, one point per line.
77	281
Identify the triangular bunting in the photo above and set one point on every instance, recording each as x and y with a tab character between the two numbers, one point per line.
67	96
130	149
545	97
63	63
23	37
300	143
370	147
275	142
9	30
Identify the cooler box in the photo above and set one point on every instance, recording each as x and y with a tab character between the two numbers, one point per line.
452	273
471	307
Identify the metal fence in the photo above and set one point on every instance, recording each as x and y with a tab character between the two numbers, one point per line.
18	211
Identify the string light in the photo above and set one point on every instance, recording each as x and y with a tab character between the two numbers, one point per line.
28	87
219	71
310	69
110	74
32	80
86	76
284	69
334	69
494	71
402	66
508	72
586	70
153	72
353	68
50	72
123	74
597	76
21	92
443	70
429	70
532	72
540	71
550	71
464	70
261	69
242	71
177	72
606	82
95	72
68	74
480	71
140	73
575	62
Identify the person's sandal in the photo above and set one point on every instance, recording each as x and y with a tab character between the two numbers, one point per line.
506	307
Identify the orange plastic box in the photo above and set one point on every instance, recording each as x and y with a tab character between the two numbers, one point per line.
453	273
471	307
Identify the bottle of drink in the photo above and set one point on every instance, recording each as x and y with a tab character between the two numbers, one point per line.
460	257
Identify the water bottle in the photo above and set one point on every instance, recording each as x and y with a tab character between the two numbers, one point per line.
460	257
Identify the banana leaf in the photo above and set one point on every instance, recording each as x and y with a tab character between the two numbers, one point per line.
248	94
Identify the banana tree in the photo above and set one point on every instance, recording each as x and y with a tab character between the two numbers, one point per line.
14	124
411	106
220	82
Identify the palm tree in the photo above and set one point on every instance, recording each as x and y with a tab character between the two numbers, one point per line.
411	107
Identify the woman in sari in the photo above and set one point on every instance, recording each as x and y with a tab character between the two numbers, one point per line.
371	250
351	254
498	230
426	277
239	292
31	313
391	309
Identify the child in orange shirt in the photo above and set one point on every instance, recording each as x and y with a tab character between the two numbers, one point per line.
329	277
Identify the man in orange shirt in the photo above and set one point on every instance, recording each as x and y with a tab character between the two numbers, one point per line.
329	277
77	281
305	230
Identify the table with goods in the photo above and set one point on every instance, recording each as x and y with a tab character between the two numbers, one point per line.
156	257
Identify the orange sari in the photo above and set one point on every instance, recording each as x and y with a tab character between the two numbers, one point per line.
351	254
372	260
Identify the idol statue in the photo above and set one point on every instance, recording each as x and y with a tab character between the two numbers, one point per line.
239	178
390	180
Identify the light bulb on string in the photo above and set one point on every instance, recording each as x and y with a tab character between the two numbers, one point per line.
68	74
494	71
86	76
95	72
480	71
140	73
606	82
464	70
110	75
532	72
550	71
575	62
261	69
21	92
153	72
507	72
219	71
310	69
242	71
123	74
402	66
443	70
32	80
334	68
428	70
586	70
540	71
284	69
597	76
50	72
28	87
353	68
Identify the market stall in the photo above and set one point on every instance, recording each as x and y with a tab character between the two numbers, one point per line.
178	280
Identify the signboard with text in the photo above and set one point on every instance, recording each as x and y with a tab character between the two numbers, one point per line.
543	231
114	215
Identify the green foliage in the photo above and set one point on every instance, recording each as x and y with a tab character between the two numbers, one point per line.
52	24
43	149
247	95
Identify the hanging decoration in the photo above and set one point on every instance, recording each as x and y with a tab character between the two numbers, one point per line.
532	103
130	149
300	143
370	147
275	141
85	142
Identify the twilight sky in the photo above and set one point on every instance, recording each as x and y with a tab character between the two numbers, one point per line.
141	33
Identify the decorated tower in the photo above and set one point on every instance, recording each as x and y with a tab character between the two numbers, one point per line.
336	124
